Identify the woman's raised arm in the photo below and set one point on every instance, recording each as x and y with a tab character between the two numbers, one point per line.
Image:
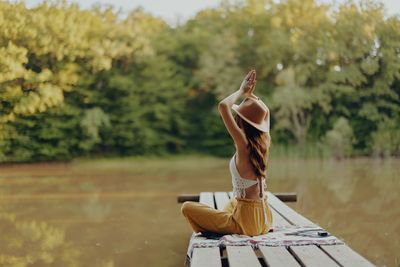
225	105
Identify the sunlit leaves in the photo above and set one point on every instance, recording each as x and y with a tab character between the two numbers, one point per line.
45	49
12	62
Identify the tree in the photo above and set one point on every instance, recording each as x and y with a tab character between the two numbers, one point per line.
292	104
340	138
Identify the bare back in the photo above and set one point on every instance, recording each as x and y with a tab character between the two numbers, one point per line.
245	170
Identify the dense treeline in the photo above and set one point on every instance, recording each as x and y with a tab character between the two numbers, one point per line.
79	82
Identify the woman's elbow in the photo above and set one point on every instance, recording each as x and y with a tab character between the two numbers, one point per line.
222	105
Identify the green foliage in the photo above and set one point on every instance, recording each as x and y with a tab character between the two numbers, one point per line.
79	82
386	140
93	119
292	104
340	139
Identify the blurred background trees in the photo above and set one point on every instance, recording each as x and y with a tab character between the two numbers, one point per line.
79	82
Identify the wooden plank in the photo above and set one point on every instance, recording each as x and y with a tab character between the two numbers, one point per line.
278	220
278	256
286	196
287	212
207	198
188	197
206	257
346	256
203	257
283	196
242	256
221	199
312	256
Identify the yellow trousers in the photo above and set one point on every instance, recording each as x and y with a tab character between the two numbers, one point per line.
240	216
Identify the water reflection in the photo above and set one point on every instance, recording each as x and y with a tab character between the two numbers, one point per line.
34	243
119	212
94	209
356	200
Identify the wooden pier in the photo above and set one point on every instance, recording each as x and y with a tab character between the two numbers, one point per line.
283	215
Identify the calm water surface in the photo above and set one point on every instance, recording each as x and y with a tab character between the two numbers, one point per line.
124	212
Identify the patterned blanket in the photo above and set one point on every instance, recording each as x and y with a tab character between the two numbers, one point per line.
292	235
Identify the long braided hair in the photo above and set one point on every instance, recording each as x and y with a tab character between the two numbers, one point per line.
258	145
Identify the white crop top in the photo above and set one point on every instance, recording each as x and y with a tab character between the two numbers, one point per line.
240	184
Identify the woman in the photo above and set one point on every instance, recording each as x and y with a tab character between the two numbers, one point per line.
247	212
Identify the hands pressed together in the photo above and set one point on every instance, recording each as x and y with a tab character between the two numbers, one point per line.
249	84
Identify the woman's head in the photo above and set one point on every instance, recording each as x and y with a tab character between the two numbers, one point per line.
258	145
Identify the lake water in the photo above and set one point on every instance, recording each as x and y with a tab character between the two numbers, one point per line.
124	212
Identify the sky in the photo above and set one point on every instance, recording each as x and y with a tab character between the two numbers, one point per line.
172	10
